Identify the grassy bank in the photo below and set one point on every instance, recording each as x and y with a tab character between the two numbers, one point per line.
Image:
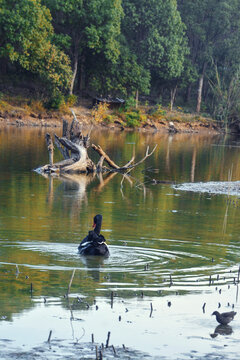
20	110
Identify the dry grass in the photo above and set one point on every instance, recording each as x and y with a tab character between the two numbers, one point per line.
35	106
25	107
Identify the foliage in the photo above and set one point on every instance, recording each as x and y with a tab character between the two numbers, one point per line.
91	26
99	112
55	101
35	106
122	78
110	118
133	118
213	30
123	48
129	103
226	98
158	111
212	25
71	100
26	34
155	33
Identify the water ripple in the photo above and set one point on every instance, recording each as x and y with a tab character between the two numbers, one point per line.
181	267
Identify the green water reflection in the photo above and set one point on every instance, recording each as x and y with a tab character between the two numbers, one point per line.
153	231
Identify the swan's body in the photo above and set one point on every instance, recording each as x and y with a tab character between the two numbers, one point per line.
94	243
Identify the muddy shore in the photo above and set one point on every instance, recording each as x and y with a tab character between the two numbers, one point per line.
18	117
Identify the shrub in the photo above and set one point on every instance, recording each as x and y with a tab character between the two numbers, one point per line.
134	118
36	106
55	102
110	118
130	103
71	100
158	111
99	112
4	106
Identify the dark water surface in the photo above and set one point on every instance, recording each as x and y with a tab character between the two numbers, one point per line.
165	243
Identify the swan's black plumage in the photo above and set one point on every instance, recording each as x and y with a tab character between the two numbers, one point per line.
94	243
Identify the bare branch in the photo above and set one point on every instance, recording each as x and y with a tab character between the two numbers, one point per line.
73	147
50	148
132	159
129	165
65	129
126	176
68	144
140	161
88	135
105	181
99	164
100	151
74	115
63	151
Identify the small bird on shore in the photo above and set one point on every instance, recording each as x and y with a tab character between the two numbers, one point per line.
94	243
224	318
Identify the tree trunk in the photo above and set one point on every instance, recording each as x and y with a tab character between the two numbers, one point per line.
137	99
173	95
75	69
200	87
50	148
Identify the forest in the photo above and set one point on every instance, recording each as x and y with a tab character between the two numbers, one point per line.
180	53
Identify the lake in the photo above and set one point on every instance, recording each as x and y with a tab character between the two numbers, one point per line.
175	250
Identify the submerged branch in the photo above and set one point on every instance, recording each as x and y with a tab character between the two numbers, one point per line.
128	166
100	151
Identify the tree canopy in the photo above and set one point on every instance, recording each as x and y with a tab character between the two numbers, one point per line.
26	36
124	47
92	28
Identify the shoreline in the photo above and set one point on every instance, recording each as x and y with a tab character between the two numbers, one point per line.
174	122
183	128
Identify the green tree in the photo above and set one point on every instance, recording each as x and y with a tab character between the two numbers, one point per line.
226	98
26	37
121	78
213	30
91	26
155	33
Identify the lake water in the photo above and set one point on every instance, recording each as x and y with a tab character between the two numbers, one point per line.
175	251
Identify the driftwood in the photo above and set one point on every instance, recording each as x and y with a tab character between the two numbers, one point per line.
50	148
73	146
129	166
105	157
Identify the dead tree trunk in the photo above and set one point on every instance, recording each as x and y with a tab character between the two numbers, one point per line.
50	148
73	146
173	92
200	87
75	65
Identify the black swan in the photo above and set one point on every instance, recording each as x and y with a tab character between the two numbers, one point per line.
94	243
225	317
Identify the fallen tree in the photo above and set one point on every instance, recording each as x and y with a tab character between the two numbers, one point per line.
73	146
